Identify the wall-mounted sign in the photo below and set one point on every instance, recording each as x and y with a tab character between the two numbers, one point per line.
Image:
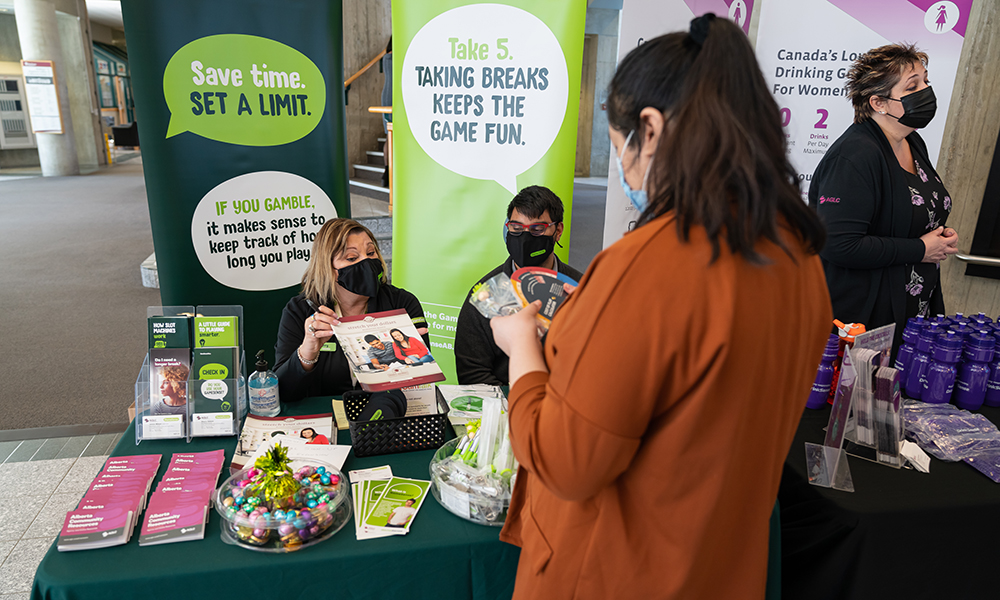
103	67
42	94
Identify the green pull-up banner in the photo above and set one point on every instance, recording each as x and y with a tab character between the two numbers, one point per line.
485	102
240	110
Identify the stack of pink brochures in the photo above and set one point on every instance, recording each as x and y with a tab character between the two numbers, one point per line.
178	509
109	510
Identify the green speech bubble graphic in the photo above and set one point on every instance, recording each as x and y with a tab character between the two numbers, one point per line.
243	89
213	371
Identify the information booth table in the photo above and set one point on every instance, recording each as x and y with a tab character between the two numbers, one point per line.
443	556
901	534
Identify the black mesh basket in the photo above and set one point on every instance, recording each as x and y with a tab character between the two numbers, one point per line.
388	436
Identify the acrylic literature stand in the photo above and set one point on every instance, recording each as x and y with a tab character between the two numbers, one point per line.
217	399
826	463
193	380
163	380
877	417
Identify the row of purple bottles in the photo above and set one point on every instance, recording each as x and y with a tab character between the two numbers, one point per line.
944	353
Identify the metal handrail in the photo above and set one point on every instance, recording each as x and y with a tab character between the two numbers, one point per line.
986	261
361	71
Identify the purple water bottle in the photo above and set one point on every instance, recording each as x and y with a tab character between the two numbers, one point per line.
905	353
941	321
982	317
993	384
824	375
939	382
918	365
975	371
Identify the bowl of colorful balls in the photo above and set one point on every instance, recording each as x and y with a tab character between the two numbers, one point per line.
275	506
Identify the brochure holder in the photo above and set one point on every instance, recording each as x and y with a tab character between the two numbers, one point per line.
213	405
877	418
151	421
826	463
217	406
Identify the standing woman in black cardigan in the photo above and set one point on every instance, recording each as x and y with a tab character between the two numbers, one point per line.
882	202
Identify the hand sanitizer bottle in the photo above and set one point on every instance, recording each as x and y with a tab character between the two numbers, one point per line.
264	390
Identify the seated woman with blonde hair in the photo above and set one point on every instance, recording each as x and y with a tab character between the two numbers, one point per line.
346	277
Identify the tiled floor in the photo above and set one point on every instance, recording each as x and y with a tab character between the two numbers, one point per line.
39	481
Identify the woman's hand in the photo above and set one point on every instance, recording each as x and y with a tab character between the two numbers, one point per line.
938	244
318	330
569	288
516	330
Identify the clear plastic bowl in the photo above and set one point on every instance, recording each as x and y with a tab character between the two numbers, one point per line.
463	491
279	532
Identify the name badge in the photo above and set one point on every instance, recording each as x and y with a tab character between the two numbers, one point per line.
329	347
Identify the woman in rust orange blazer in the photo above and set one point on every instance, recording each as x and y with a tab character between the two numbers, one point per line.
652	426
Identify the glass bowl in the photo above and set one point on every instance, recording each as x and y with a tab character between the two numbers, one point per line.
303	518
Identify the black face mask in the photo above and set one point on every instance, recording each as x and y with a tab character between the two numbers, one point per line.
530	250
918	108
362	278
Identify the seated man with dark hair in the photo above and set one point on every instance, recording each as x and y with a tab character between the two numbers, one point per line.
533	227
380	353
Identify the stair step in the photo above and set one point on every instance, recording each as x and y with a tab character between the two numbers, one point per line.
375	157
370	189
369	173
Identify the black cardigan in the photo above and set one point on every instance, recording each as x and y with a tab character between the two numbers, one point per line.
331	376
861	194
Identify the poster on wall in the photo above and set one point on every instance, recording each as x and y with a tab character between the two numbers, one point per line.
481	109
640	21
42	94
807	72
242	132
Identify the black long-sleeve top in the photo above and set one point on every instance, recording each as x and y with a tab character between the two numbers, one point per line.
861	194
331	376
478	359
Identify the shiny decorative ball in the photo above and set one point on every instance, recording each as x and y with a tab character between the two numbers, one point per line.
321	470
326	480
228	502
304	534
312	504
284	529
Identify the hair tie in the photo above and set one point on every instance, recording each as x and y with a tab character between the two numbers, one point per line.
699	28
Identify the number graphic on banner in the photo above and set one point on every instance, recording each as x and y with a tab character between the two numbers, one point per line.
502	51
786	117
823	114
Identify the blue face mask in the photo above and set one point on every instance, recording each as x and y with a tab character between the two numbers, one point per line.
638	198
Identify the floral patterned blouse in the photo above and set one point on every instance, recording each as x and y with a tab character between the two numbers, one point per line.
931	207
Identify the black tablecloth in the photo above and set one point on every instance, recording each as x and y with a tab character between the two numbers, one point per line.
901	534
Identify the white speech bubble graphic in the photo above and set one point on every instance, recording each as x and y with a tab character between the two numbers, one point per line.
485	89
254	232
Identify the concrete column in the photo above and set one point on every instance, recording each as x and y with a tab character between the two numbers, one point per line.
39	35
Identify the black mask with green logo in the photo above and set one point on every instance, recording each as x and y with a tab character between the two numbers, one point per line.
363	277
530	250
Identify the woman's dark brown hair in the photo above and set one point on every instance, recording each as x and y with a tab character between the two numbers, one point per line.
876	72
721	160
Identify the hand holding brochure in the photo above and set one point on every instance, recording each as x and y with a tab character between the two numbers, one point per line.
501	295
386	352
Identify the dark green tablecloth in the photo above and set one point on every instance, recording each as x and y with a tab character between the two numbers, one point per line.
443	556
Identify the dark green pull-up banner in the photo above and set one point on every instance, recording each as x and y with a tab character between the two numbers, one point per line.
240	110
